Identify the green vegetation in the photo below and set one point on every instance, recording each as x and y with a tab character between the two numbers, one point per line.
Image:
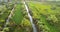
4	13
17	15
20	21
46	16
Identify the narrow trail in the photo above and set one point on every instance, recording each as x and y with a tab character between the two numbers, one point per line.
30	17
10	15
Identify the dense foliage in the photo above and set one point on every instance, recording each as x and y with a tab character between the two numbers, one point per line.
46	17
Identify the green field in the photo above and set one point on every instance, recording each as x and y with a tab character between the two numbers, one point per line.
45	16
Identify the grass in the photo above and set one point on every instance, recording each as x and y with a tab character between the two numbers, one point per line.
18	14
43	11
20	18
47	17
